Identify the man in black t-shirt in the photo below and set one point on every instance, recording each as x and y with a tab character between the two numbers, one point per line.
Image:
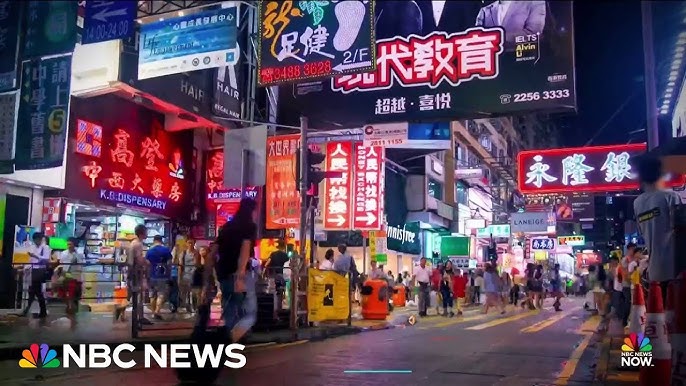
277	259
232	250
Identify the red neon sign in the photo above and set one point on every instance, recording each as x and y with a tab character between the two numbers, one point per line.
368	187
338	192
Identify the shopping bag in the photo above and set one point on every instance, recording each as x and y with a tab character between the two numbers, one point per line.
433	299
202	336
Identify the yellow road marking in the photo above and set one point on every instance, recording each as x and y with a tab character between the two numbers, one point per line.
547	322
573	361
500	321
452	322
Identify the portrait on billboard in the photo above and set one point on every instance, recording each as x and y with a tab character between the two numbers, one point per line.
448	59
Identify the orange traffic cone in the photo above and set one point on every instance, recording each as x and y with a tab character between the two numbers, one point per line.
679	334
659	373
638	312
669	309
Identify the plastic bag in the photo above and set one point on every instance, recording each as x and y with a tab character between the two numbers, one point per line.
433	299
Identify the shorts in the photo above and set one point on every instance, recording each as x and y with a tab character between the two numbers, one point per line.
159	287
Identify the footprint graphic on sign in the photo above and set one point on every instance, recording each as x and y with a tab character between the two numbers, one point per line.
350	15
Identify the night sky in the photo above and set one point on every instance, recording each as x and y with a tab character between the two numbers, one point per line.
609	69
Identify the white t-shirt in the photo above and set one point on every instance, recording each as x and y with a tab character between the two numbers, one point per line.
422	275
479	282
326	265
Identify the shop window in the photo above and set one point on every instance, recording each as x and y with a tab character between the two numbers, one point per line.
435	189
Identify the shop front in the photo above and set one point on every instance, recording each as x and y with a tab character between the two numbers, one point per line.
123	170
403	247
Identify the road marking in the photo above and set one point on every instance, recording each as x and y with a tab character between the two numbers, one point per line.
377	371
500	321
282	345
573	361
547	322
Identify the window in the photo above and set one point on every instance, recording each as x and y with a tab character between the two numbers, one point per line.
461	195
435	189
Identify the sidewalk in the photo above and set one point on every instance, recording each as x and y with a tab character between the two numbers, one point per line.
16	333
608	370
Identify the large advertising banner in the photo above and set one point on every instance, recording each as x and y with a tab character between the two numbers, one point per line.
438	60
368	187
338	192
43	113
283	200
201	40
120	155
50	28
10	21
301	40
583	169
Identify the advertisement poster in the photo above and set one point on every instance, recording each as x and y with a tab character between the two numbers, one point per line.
338	192
433	58
50	28
43	113
283	200
301	40
328	296
227	95
23	237
10	21
9	106
201	40
128	159
368	186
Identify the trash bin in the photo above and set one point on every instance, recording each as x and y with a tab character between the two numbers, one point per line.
399	296
375	300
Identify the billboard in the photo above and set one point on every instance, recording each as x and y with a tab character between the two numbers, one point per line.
368	187
532	222
106	20
201	40
283	200
584	169
337	192
456	59
430	135
301	40
120	155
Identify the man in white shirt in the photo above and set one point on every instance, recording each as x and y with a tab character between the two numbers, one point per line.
39	254
71	261
421	275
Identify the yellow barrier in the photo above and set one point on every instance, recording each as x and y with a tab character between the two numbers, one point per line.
328	296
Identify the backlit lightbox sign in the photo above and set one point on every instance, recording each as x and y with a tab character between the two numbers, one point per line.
573	241
584	169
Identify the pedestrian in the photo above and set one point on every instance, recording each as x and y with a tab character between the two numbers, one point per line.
159	257
376	273
556	283
460	280
137	277
185	258
446	289
492	289
421	276
507	286
37	273
470	288
436	277
569	286
478	286
274	266
196	281
234	247
327	263
530	286
514	292
249	316
71	262
538	286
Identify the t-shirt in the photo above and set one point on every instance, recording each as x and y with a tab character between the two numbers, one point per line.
652	210
422	275
159	257
276	261
229	241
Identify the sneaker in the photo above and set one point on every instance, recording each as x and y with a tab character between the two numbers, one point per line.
452	314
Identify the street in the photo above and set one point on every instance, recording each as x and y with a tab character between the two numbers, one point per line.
520	348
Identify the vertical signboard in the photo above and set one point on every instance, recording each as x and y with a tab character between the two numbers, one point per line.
10	17
337	211
50	28
107	20
9	104
301	40
227	96
43	113
192	42
367	210
282	200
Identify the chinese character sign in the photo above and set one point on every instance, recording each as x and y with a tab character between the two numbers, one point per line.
282	200
50	28
543	244
9	105
587	169
301	40
10	20
43	113
430	67
338	191
368	185
574	241
121	155
197	41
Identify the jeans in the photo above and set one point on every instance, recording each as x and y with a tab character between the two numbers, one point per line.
36	291
476	295
249	315
447	299
424	298
232	302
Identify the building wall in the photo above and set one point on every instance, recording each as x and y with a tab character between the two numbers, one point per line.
35	196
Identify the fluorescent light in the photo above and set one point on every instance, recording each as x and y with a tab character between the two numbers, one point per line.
671	84
669	89
668	95
673	73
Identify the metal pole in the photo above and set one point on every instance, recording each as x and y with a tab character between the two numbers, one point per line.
311	225
245	159
649	74
298	259
364	255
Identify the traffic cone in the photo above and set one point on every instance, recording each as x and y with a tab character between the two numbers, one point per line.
638	312
679	334
659	373
669	309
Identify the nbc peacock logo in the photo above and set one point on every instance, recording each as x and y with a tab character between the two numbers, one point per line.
39	356
637	351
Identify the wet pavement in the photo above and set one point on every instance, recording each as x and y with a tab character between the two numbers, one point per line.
520	348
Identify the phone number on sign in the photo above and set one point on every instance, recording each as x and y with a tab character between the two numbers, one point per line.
384	142
535	96
297	71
